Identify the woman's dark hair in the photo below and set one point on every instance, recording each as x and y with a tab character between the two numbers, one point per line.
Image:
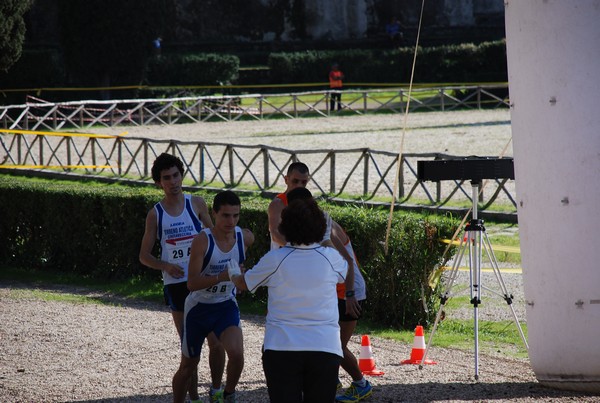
298	193
302	222
163	162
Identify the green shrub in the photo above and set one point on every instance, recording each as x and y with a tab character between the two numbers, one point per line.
191	69
96	231
90	230
451	63
398	294
313	66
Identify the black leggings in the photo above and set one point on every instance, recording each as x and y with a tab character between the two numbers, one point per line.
301	376
336	96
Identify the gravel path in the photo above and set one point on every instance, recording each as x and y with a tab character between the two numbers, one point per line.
127	351
471	132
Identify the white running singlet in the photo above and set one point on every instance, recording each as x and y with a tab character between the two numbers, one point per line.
175	235
215	262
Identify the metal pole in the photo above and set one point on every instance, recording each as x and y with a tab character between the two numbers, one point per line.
474	238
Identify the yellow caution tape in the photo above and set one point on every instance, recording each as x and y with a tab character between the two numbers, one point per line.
498	248
515	270
56	167
62	134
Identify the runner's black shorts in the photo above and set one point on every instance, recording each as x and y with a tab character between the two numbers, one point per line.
175	295
342	311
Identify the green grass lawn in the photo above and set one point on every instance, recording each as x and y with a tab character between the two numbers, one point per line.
494	337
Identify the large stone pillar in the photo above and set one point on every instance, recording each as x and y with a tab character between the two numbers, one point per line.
553	51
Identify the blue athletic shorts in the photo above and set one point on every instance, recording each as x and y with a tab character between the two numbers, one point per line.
202	319
175	295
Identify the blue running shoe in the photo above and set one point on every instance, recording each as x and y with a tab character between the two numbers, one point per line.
355	393
216	395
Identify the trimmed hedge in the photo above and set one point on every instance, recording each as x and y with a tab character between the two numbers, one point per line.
96	231
191	69
485	62
87	230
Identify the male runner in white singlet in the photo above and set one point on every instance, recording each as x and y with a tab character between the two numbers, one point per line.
174	223
211	305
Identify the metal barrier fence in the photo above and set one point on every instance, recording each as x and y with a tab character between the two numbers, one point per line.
358	174
40	115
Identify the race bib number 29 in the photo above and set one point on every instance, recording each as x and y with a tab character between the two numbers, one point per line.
179	251
217	288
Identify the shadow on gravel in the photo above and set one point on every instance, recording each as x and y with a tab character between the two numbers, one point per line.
423	392
395	129
136	398
432	392
258	395
476	124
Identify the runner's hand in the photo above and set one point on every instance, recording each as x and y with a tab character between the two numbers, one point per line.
233	269
174	271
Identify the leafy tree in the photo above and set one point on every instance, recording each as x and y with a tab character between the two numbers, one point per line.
12	31
107	42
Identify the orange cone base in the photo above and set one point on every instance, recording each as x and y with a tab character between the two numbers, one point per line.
373	372
418	362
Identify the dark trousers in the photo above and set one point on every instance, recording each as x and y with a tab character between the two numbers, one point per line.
336	96
301	376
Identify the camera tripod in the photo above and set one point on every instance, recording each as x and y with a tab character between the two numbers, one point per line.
474	239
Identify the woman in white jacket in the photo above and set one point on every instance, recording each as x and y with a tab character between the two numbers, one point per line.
302	347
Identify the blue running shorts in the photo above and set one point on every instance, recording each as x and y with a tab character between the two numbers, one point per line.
201	319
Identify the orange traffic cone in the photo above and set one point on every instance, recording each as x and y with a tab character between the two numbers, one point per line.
418	350
366	362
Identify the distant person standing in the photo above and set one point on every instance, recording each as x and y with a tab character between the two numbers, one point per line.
335	85
156	45
392	29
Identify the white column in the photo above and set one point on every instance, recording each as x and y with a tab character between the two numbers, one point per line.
553	49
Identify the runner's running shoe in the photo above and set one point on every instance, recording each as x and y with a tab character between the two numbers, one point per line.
355	393
216	395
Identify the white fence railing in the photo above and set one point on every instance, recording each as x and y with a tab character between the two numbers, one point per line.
39	115
28	142
359	174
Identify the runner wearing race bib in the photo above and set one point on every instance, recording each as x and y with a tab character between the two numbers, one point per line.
211	306
174	222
